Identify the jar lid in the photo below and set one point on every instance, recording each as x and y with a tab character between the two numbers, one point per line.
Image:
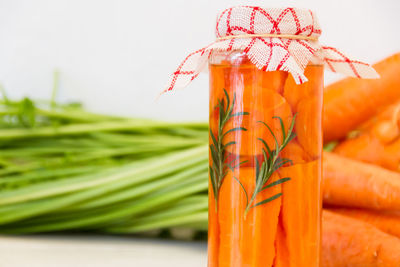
283	39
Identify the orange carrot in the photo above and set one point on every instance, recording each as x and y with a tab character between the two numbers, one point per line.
393	158
367	148
266	105
282	253
378	141
273	80
294	93
245	80
308	125
240	244
350	242
213	229
306	100
301	204
295	152
260	224
352	183
292	151
389	113
363	147
388	222
231	205
350	102
248	85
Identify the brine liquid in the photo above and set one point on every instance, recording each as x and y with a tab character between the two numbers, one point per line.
286	230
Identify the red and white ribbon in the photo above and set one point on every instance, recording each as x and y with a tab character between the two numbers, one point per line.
290	45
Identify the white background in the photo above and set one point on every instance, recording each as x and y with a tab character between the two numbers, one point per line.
115	56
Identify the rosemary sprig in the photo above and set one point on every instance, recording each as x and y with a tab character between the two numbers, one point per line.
271	163
220	167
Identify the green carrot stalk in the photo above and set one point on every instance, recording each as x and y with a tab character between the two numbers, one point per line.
77	129
96	154
151	170
100	218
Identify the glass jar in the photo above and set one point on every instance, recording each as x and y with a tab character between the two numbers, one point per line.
265	165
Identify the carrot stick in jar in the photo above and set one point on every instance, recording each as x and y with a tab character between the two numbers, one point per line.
295	152
294	93
258	246
266	105
282	251
231	205
308	126
301	205
213	230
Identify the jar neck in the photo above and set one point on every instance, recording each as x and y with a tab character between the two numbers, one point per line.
239	57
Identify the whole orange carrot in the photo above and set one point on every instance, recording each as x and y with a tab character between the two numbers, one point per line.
353	183
367	148
390	113
378	141
351	101
388	222
350	242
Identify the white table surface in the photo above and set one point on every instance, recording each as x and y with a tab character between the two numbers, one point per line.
98	251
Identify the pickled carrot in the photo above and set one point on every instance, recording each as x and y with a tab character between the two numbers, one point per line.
308	125
231	205
268	105
253	94
292	151
282	253
273	80
294	93
247	161
240	245
245	80
213	230
301	205
258	246
295	152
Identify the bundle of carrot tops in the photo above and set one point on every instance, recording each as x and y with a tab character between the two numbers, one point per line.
65	169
